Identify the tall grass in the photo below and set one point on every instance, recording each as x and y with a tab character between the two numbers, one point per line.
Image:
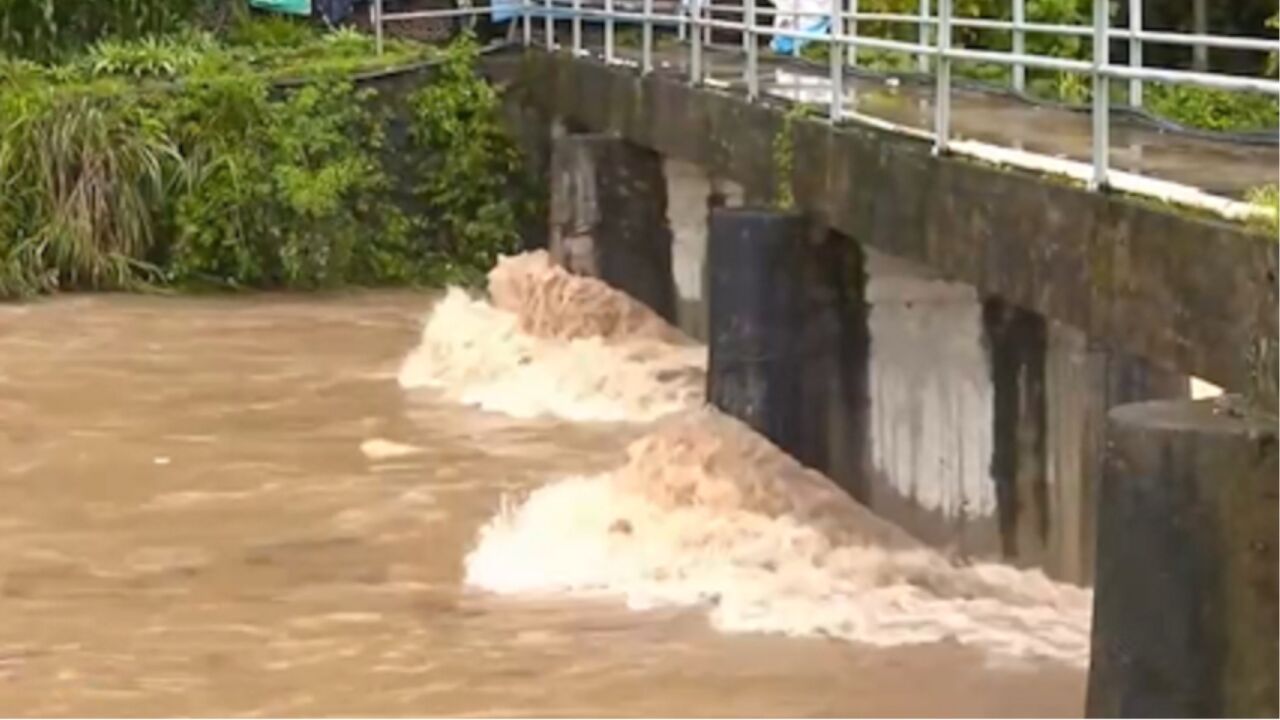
80	177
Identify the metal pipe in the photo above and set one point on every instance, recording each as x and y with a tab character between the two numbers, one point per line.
575	27
527	6
695	44
1135	51
835	51
1200	23
376	9
1101	96
942	91
549	24
922	30
753	54
646	49
705	13
1019	44
609	26
851	30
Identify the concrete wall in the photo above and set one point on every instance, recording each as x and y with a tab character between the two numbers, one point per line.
691	194
931	430
1193	295
931	406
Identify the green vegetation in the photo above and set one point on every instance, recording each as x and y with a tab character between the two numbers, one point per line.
47	30
784	157
179	161
1267	199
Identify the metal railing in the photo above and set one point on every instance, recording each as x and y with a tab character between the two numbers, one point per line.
933	47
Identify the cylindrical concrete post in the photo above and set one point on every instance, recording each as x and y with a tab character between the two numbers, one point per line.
1185	606
609	217
755	320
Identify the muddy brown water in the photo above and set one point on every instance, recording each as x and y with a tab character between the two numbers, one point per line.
188	526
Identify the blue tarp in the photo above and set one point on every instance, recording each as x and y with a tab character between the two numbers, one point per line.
792	46
292	7
504	10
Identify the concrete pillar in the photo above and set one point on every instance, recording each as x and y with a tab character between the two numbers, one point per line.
836	347
1185	610
788	338
608	217
756	300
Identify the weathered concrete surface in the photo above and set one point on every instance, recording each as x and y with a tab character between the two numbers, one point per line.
1185	606
609	217
756	361
691	195
1194	295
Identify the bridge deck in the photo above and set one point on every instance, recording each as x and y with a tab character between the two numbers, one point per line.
1216	165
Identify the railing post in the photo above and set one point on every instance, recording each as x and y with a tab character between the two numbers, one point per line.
550	25
835	51
707	12
1019	44
851	30
942	91
576	27
609	27
922	61
1135	51
646	50
1101	97
682	25
753	52
527	6
695	42
375	8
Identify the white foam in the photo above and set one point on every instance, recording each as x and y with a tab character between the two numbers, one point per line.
381	449
706	512
555	345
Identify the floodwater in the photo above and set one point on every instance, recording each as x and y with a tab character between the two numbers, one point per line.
250	506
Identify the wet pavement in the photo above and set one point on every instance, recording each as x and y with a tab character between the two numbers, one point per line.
1218	165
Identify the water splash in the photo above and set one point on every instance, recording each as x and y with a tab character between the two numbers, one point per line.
552	343
705	512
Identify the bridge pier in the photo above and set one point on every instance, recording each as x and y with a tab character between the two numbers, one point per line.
608	217
787	336
1185	605
756	308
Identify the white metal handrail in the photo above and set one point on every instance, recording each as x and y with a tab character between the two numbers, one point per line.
933	44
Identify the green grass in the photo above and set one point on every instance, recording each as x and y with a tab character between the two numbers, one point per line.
173	161
1267	199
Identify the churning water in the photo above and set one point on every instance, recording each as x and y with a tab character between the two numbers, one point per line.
517	505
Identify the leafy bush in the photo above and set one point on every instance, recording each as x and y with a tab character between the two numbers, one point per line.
470	166
149	57
1213	109
80	176
48	29
226	180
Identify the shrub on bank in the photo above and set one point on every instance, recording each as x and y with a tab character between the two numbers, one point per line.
181	161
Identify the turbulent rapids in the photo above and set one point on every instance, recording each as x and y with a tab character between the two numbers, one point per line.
549	343
702	512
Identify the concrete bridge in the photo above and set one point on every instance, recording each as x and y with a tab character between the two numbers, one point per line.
957	332
955	325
